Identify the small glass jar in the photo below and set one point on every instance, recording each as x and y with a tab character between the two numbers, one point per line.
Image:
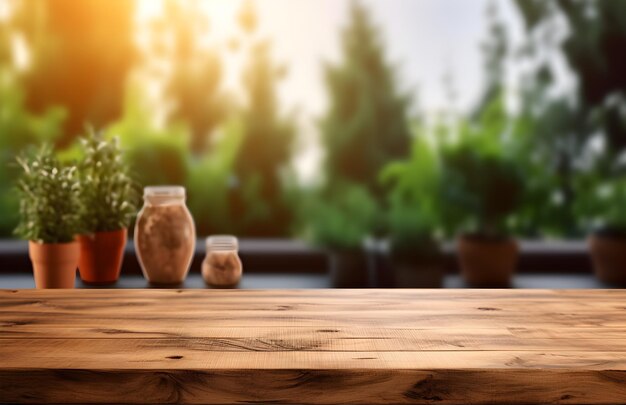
221	266
165	235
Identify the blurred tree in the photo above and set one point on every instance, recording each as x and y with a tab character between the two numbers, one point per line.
366	124
210	182
594	49
193	86
591	36
157	156
80	53
19	128
259	200
495	49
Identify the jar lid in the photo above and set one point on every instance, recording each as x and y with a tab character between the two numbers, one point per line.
222	242
163	191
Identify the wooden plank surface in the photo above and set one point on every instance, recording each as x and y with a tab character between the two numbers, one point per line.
313	346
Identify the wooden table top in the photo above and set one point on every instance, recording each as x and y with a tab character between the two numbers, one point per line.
313	346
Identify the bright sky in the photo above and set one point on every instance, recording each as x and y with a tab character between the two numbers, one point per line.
425	39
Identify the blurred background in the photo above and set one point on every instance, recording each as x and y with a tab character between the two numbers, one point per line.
332	120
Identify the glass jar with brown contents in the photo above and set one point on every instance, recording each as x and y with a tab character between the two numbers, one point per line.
165	235
221	266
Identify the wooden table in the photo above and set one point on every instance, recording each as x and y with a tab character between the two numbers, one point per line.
313	346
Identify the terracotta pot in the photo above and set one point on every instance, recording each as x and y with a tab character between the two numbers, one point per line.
348	269
487	262
608	254
101	256
54	264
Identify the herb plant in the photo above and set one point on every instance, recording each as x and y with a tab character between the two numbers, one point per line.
49	203
481	191
108	194
343	218
414	213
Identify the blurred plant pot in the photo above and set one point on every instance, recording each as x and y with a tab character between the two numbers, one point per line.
418	268
608	255
101	256
380	270
487	261
348	269
54	264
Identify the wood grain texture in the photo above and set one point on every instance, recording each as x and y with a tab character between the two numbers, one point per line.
313	346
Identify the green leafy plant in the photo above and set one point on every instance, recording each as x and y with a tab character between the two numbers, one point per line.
481	191
108	194
49	198
481	184
342	217
600	203
414	213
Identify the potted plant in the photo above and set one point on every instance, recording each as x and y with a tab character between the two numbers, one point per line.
49	220
414	216
342	220
108	200
482	191
600	206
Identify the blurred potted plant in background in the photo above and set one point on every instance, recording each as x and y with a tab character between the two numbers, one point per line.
108	199
600	204
49	219
414	216
487	188
343	217
482	187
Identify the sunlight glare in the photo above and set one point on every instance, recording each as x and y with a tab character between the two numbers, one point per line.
21	52
148	9
5	9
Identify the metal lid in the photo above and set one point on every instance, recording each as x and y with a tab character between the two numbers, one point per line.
164	192
222	242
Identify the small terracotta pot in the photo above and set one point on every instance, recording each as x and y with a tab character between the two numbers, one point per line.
54	264
101	256
487	262
608	254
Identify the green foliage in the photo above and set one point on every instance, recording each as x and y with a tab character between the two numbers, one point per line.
414	205
366	125
600	202
49	198
210	182
156	156
258	199
193	87
481	183
18	129
108	194
495	49
341	218
483	190
562	128
593	49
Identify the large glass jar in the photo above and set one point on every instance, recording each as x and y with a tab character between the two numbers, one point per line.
165	235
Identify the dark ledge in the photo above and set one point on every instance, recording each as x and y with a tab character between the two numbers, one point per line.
289	256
